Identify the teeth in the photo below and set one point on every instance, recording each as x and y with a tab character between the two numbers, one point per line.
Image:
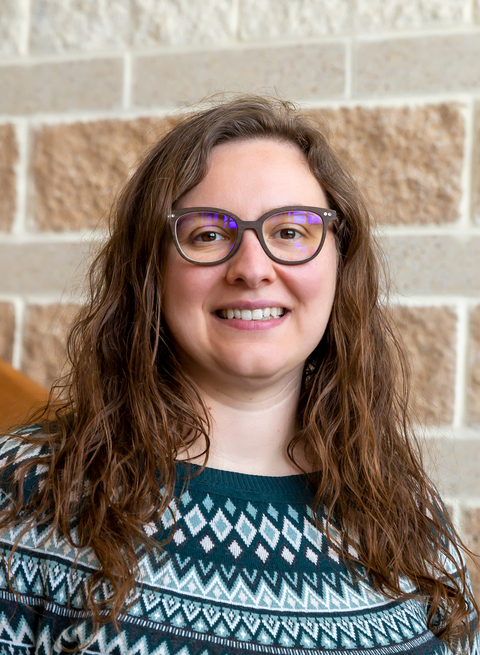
252	315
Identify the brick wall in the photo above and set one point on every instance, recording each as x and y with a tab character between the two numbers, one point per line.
87	85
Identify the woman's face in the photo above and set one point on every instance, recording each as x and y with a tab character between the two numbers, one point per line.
249	178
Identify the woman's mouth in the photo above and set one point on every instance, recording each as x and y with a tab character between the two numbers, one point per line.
264	314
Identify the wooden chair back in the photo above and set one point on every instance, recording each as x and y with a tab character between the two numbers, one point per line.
17	395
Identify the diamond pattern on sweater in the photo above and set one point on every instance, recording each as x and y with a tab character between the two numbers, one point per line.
244	572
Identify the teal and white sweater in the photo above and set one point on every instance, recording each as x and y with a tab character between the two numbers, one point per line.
247	571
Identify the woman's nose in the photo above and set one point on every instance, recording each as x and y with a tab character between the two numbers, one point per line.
251	264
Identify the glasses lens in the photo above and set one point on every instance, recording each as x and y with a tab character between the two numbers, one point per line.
206	236
293	235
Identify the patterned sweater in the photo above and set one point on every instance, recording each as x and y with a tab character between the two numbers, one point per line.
247	571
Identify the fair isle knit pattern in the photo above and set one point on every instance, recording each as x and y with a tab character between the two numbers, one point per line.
247	571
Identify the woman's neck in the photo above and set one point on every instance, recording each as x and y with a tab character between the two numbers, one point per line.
250	432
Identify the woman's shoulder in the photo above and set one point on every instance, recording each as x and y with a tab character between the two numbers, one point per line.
17	450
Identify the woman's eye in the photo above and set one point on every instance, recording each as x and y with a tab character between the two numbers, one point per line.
287	233
208	237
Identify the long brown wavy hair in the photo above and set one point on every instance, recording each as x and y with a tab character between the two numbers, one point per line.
114	425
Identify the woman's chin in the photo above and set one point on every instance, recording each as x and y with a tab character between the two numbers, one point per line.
258	372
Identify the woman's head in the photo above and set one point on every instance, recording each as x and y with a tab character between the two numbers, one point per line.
177	174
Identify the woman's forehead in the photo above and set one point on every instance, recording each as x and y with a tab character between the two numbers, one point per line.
256	167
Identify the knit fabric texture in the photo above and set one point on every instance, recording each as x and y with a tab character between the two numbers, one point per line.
247	571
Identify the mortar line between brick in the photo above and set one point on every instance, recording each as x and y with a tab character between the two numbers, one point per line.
456	512
349	63
454	230
26	238
467	167
470	12
430	300
394	101
54	118
461	365
25	38
449	433
70	117
127	80
469	503
236	20
19	305
435	31
18	227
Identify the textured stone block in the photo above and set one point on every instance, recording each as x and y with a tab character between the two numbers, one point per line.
398	14
78	168
408	161
471	530
261	19
476	167
66	25
13	16
429	334
315	70
70	25
453	465
7	330
417	65
61	86
44	341
436	264
8	160
473	389
179	22
44	268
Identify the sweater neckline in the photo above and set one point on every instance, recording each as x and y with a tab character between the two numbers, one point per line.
285	487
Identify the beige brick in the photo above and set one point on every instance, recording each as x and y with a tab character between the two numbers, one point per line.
89	25
61	86
473	390
78	168
261	19
476	167
436	264
44	268
7	330
471	530
397	14
313	70
429	334
13	16
69	25
44	341
453	465
179	22
8	160
408	161
420	64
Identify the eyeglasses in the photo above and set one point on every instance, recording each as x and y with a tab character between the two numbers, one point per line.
289	235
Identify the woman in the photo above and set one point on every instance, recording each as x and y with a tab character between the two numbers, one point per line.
231	468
